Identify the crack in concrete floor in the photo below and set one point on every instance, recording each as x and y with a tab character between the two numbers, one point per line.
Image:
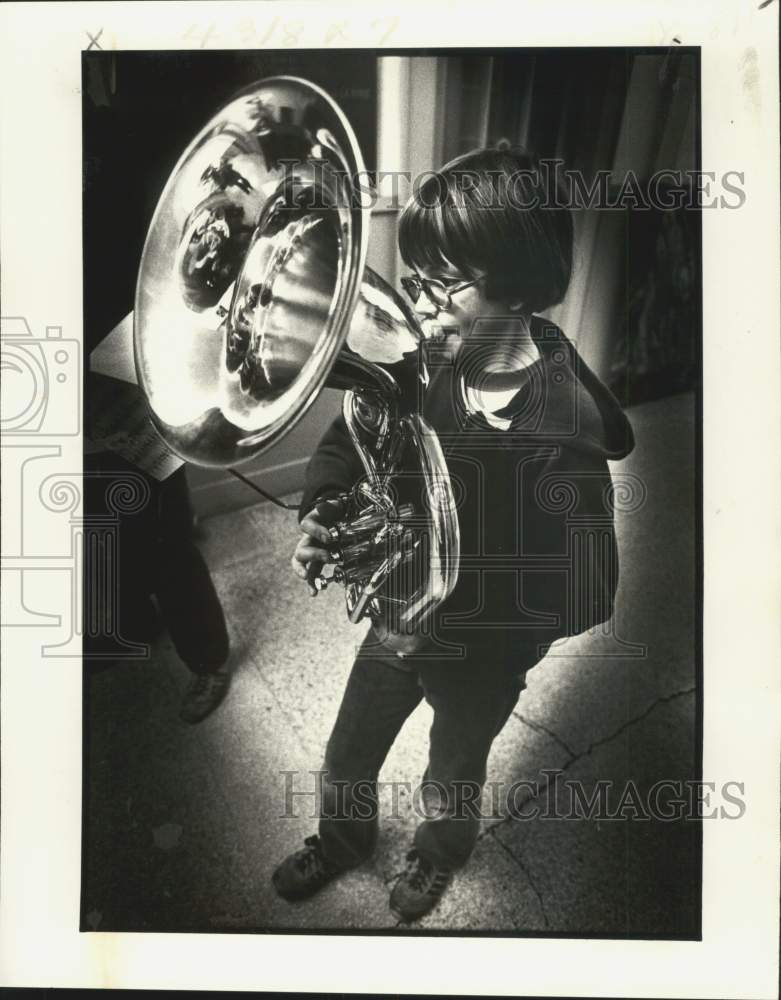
519	862
662	700
553	775
539	728
574	756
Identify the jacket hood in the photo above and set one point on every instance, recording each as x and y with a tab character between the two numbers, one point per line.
564	401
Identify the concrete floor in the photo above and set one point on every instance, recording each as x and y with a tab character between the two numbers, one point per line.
184	823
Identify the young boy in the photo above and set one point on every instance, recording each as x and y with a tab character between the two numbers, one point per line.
527	430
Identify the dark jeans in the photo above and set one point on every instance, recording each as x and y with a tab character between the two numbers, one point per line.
156	555
472	699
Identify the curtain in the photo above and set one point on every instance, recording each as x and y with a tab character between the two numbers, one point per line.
632	311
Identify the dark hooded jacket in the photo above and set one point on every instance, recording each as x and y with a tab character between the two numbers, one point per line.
539	559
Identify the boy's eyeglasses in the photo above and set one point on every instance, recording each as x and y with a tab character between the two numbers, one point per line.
437	291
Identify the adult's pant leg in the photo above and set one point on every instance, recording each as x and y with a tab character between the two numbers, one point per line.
183	583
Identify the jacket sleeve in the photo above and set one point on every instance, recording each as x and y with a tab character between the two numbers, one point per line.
334	468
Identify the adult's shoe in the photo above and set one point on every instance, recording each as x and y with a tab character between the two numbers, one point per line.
204	694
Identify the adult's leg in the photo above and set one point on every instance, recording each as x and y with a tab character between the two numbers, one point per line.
380	695
472	700
183	584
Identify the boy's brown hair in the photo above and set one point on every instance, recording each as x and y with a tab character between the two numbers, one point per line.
494	211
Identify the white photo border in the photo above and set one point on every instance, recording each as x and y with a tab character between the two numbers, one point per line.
41	699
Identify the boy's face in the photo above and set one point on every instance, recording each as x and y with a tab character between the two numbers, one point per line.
454	325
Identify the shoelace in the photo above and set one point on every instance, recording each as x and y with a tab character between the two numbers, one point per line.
201	685
312	860
204	681
421	871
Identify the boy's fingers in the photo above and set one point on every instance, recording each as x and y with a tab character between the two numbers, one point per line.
313	569
315	530
298	568
306	553
308	572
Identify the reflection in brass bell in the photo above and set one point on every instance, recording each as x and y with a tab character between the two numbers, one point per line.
253	295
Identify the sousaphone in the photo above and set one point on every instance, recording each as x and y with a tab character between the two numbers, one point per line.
253	295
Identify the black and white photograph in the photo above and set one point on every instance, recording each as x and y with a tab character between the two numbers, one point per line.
405	631
391	428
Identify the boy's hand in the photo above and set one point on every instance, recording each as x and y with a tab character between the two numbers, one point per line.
312	550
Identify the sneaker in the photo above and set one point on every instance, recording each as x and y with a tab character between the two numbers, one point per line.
303	873
204	694
419	889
